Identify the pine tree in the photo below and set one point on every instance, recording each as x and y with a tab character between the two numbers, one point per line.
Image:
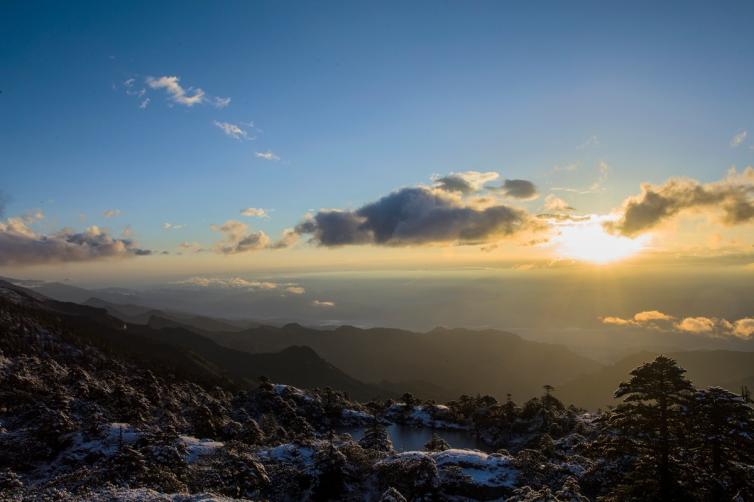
652	418
722	426
436	443
376	438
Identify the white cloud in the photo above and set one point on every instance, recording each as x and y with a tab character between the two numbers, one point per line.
145	103
232	130
555	204
238	238
172	226
708	326
178	94
111	213
220	102
242	284
738	138
323	304
268	155
255	212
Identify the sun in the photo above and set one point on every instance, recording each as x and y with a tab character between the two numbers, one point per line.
588	241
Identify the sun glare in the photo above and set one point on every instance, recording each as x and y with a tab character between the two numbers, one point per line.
588	241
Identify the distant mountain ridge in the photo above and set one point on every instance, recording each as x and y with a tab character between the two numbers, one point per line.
180	350
454	361
725	368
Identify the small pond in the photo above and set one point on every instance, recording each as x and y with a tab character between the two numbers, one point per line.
407	438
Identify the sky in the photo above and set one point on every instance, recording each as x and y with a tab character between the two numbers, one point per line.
144	143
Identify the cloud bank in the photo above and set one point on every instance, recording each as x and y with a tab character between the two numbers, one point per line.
20	245
709	326
733	195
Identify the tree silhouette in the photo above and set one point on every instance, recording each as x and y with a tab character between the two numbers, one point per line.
652	417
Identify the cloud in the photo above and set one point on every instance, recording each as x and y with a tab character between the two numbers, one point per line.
708	326
241	283
696	325
603	169
171	84
287	239
220	102
254	212
20	245
738	139
323	304
193	247
172	226
268	155
111	213
232	130
651	315
519	189
145	103
644	319
465	182
237	238
732	195
590	142
556	204
744	328
415	216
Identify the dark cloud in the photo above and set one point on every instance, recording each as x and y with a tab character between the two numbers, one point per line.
732	195
20	246
519	189
414	216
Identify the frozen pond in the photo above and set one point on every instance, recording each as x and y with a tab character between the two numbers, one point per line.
407	438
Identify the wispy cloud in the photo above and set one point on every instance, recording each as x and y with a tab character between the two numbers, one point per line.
591	141
268	155
325	304
178	94
172	226
145	103
254	212
241	283
111	213
603	169
171	84
738	139
233	130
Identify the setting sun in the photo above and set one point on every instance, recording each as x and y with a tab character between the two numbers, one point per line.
588	241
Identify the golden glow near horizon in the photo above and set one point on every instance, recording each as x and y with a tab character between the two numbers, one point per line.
588	241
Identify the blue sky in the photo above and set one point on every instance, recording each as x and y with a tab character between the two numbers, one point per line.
358	99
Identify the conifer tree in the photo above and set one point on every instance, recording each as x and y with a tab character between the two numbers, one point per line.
652	418
722	424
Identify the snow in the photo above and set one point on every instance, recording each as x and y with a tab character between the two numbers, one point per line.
289	452
114	434
282	390
488	470
199	447
356	415
430	416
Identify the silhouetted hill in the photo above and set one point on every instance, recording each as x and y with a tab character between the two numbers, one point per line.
183	351
455	361
725	368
